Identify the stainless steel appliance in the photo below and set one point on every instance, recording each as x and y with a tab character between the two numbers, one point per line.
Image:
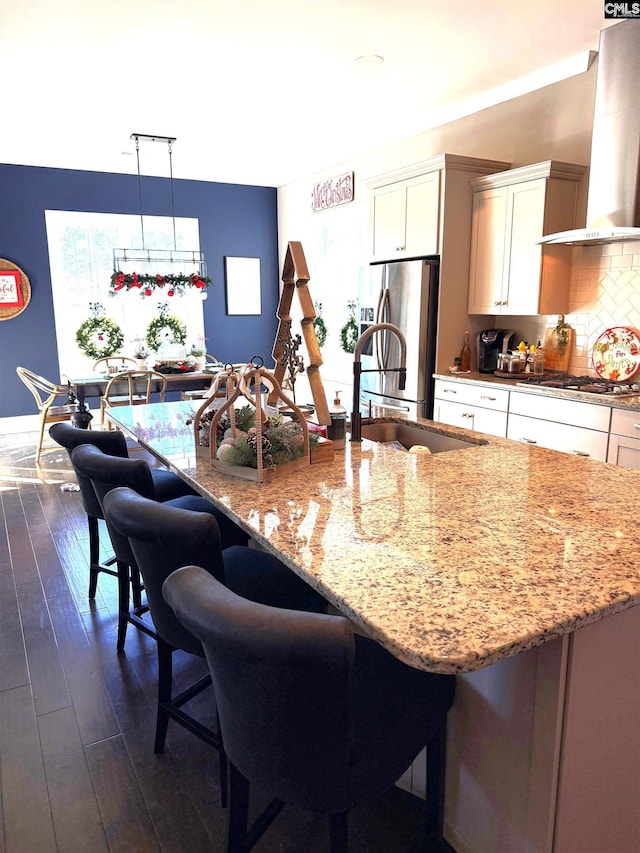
492	342
404	293
582	384
613	202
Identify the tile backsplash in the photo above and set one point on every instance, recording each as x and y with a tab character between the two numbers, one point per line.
605	292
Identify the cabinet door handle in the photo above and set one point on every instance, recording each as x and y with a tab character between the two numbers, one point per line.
467	415
529	440
485	397
636	426
579	453
449	391
497	302
400	248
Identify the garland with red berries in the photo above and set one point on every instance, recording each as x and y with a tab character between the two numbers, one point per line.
147	284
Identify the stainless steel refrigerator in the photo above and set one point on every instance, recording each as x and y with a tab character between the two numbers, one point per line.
404	293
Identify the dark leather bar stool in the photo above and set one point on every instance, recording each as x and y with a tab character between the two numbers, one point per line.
162	537
311	713
107	472
166	484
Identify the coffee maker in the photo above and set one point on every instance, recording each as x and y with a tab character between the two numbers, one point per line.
491	342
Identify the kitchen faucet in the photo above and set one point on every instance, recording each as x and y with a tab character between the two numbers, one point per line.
356	418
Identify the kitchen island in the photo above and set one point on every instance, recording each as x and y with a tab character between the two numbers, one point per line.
515	565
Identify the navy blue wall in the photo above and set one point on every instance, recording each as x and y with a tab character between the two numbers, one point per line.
234	220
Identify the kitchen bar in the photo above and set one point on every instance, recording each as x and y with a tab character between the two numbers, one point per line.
499	560
483	572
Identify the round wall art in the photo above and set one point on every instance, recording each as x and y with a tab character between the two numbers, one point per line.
15	290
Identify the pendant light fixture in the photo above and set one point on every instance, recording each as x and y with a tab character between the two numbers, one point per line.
177	269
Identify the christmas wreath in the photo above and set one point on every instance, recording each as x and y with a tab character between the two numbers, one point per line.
165	329
349	335
321	330
99	336
319	325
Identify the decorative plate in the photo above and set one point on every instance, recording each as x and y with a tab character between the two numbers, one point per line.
616	354
15	290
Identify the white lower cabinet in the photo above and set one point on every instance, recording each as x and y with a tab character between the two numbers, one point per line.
566	425
475	407
624	440
600	432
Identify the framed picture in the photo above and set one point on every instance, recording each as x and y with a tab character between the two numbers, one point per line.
242	278
10	290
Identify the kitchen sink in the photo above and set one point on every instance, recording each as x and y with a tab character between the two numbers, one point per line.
409	436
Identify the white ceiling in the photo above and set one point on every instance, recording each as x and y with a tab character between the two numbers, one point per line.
262	92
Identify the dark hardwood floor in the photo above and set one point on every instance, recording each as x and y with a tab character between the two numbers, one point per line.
77	720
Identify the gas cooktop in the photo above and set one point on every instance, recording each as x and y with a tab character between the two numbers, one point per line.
583	384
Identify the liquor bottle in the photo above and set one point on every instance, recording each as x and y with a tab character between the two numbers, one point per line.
465	355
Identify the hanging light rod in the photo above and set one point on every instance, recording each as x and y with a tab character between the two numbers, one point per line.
148	138
146	282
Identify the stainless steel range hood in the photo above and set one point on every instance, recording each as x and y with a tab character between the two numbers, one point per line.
613	202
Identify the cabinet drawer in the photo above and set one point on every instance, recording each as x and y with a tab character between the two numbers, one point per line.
571	412
625	423
472	395
558	436
471	417
624	451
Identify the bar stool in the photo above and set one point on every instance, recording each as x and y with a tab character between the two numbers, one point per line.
162	537
166	484
105	473
311	713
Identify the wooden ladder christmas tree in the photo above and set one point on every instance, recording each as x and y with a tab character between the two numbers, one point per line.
295	278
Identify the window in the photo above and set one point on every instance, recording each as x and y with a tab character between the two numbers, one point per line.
81	261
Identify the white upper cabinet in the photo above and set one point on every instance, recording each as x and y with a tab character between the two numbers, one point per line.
405	218
409	206
509	272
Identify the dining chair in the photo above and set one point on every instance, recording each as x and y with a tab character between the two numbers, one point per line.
106	473
164	537
210	362
114	363
132	388
166	484
45	394
311	713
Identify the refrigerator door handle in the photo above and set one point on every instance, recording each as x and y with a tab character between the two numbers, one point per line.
382	297
379	307
383	355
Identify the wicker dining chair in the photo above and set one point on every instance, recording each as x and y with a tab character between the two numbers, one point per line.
139	385
210	361
114	363
45	394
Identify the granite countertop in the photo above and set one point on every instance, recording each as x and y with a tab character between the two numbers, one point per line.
452	561
631	402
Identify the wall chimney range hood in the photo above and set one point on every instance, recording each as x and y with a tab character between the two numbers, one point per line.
613	201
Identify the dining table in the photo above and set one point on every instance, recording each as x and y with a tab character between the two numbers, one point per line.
508	565
94	384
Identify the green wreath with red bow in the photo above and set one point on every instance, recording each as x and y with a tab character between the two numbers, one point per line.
99	337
